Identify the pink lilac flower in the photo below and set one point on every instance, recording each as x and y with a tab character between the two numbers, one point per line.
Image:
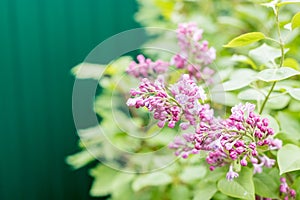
231	174
285	190
146	68
183	100
194	56
197	143
240	137
184	145
187	94
154	97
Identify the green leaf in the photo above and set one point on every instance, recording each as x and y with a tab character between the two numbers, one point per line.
288	158
224	98
245	39
267	184
152	179
216	175
239	79
287	2
265	54
80	159
192	173
270	75
241	187
205	191
124	189
294	106
244	59
221	196
104	180
296	21
179	192
289	125
251	94
278	101
291	62
295	93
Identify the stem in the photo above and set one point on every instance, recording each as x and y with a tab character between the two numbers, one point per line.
281	60
267	98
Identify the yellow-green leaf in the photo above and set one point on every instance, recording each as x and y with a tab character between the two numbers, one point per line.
296	21
287	2
245	39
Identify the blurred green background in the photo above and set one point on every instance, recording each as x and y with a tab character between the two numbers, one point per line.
41	40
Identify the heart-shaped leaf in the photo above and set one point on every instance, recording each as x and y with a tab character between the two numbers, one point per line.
241	187
288	158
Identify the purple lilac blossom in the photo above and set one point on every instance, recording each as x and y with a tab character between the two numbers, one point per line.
285	190
187	94
154	97
194	56
183	100
240	138
146	68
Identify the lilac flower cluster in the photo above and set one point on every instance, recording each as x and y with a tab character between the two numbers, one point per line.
184	99
146	68
194	56
153	96
285	190
241	138
185	144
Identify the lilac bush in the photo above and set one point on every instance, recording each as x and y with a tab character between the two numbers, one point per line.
242	138
227	109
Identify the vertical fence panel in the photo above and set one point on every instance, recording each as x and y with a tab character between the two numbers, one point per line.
40	42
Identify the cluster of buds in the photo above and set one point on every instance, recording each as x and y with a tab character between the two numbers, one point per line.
169	108
146	68
286	191
239	140
242	138
154	97
194	56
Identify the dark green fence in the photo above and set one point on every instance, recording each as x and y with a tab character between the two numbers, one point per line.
40	42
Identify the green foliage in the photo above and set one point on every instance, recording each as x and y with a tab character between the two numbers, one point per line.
288	158
295	93
179	192
264	71
152	179
265	55
241	187
267	184
205	191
